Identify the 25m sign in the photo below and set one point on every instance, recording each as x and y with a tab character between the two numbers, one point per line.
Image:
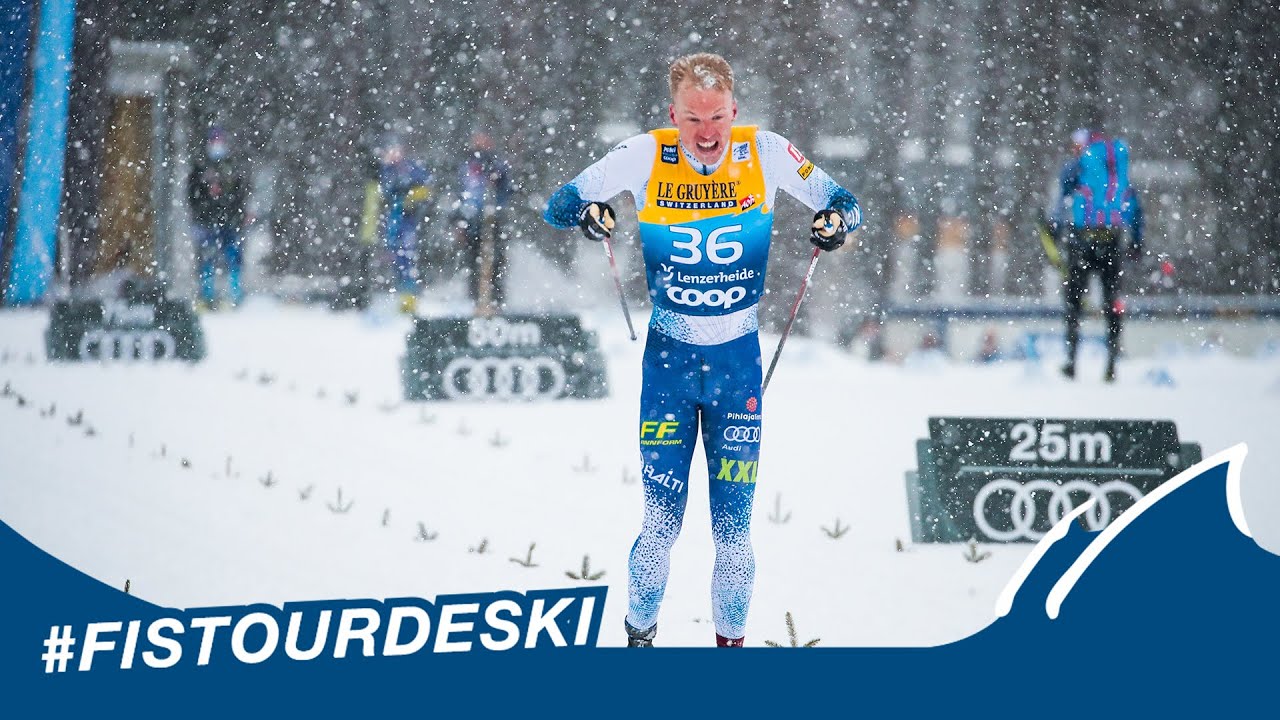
1011	479
1052	443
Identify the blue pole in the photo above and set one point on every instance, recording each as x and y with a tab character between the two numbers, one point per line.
15	39
40	197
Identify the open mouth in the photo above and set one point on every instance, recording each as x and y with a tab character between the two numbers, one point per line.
709	146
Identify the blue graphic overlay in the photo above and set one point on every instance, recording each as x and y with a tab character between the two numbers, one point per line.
1172	610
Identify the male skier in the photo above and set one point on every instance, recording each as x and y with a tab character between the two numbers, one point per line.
704	193
1095	204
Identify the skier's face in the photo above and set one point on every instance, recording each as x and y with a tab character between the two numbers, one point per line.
704	118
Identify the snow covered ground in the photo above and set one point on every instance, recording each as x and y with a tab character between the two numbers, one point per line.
225	482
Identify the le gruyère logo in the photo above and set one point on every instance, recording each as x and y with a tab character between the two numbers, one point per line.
698	196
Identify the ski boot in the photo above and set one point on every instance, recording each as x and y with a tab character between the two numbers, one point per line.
640	638
1110	374
1069	370
722	641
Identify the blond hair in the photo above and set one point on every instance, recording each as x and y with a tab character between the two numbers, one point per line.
705	70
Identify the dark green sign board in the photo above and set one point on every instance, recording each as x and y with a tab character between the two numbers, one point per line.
1011	479
503	358
124	330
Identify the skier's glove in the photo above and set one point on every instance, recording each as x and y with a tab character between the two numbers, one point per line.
596	220
829	229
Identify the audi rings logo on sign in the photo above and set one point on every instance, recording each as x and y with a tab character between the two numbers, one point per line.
519	378
1024	511
742	433
694	297
107	345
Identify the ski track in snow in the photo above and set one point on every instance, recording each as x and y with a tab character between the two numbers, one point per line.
312	398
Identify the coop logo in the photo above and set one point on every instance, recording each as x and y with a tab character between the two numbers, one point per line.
1022	509
742	433
667	479
653	432
694	297
528	378
741	471
127	345
670	155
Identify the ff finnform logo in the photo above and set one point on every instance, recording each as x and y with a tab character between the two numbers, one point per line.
670	155
653	432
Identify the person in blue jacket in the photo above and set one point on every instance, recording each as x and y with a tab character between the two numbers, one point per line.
1096	205
217	194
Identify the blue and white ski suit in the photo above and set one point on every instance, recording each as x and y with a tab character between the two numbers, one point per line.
705	233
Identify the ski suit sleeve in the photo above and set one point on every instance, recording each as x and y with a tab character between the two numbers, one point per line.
625	167
786	168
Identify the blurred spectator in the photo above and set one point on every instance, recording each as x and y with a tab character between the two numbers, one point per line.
216	192
930	355
867	339
404	185
481	220
1096	204
989	352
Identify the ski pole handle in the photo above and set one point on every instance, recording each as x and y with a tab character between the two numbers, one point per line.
813	263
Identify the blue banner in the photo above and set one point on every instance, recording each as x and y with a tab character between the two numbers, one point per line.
1172	606
31	266
15	38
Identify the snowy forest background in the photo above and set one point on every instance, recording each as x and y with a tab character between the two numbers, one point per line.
948	118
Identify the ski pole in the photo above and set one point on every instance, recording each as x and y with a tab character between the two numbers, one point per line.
813	263
617	281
